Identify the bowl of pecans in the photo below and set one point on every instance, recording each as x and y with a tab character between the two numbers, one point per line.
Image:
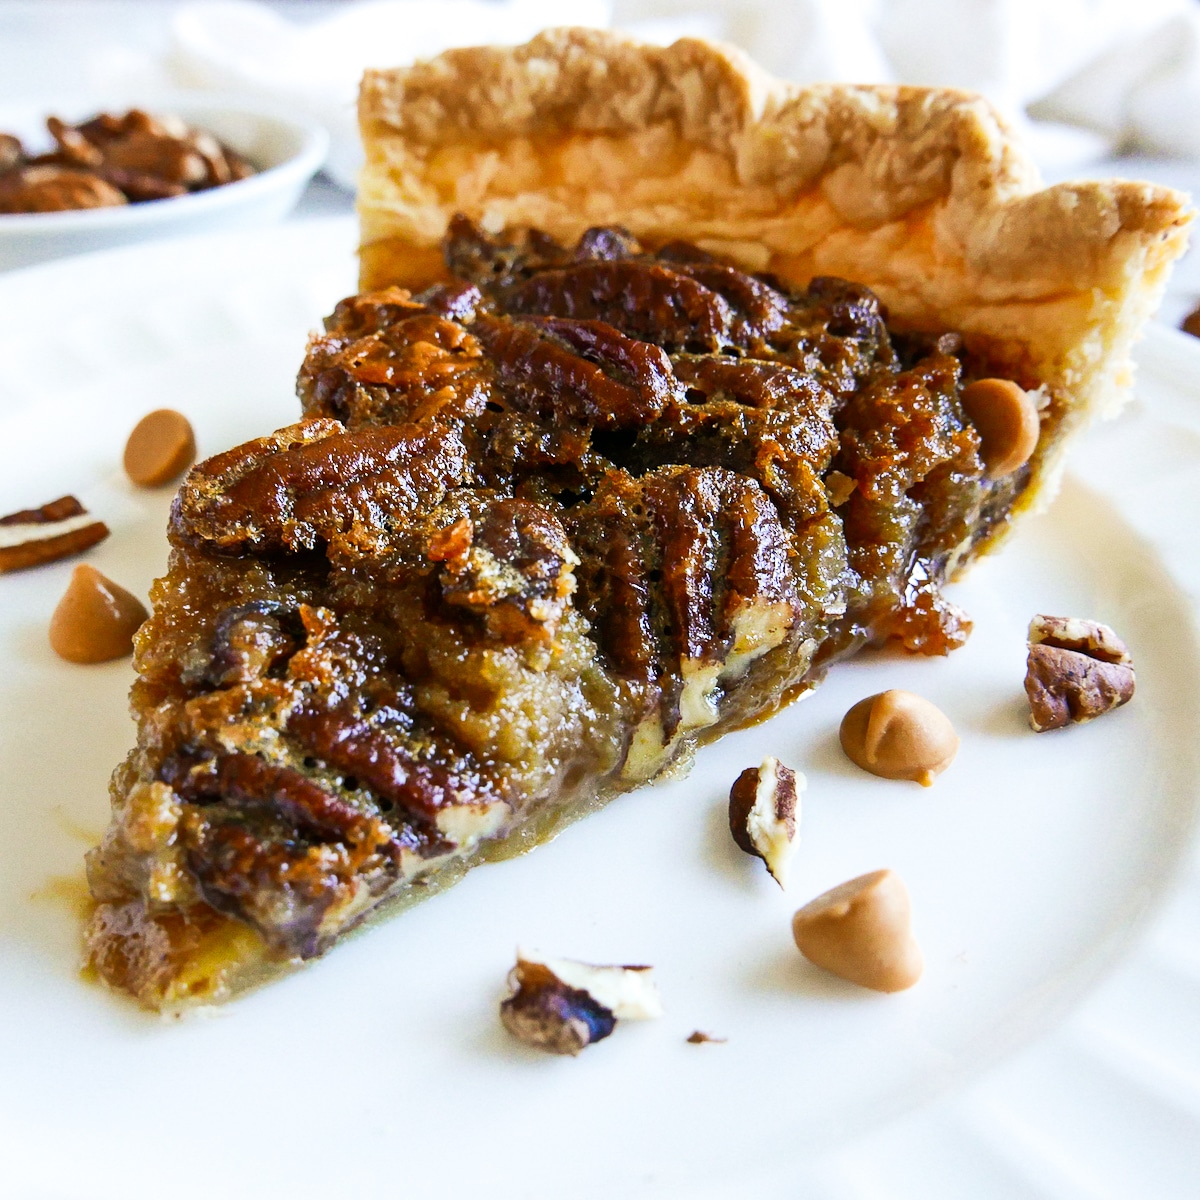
84	180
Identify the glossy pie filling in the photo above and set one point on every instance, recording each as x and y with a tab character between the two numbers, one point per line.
542	529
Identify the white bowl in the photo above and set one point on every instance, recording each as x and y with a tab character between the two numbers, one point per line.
285	150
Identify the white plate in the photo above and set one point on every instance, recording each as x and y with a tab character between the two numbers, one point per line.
382	1070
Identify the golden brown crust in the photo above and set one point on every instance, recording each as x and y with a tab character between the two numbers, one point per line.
923	194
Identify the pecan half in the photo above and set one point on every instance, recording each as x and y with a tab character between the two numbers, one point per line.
46	187
427	778
57	530
313	482
269	845
643	300
689	579
580	369
1076	670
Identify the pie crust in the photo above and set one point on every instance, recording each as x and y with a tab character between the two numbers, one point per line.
922	194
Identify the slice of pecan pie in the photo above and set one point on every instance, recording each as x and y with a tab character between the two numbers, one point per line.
583	492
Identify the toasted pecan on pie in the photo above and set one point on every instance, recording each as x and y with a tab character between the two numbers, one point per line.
630	469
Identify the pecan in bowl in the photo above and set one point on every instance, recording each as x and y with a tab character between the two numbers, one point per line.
86	184
111	160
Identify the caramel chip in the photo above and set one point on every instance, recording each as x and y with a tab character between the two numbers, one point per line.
95	620
862	931
160	448
1007	421
899	735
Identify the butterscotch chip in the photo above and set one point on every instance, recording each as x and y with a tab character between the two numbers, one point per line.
160	448
95	620
861	930
1006	419
899	735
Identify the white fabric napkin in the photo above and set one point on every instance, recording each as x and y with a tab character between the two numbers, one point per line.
1083	77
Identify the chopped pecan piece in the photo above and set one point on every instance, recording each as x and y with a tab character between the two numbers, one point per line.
1077	670
764	814
371	312
757	383
417	365
57	530
562	1006
488	262
249	639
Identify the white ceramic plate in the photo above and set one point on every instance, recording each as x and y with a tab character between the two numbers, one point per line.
382	1069
287	151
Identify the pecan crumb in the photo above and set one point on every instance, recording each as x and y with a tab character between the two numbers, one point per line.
1076	670
698	1037
34	536
452	543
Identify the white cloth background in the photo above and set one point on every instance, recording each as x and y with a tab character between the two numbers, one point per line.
1085	77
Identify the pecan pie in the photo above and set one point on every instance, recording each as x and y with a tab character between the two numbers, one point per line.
576	495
